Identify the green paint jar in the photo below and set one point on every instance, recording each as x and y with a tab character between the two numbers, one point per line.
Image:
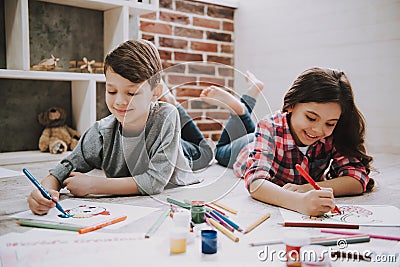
198	211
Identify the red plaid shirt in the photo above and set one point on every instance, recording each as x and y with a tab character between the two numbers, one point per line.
273	155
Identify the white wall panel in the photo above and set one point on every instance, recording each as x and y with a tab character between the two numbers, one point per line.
279	39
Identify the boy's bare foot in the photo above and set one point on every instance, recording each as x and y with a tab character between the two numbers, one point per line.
217	96
256	86
167	96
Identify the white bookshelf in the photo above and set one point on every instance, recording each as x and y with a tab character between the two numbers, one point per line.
117	16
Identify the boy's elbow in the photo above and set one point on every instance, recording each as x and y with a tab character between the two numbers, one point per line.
149	189
153	191
157	191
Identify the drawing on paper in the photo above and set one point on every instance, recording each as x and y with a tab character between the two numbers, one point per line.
367	215
85	211
350	214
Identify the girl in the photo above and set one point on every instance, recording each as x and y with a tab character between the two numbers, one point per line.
320	128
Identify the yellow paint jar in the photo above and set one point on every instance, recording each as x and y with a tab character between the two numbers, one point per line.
177	240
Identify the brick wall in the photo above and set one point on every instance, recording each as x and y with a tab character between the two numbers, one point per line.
195	41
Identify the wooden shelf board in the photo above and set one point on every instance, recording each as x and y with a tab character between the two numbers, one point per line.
50	75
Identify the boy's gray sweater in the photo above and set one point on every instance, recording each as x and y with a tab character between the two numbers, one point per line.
153	159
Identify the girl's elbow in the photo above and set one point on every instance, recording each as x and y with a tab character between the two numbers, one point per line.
254	195
358	189
255	189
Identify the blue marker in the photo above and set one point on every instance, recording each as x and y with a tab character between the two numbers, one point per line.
44	191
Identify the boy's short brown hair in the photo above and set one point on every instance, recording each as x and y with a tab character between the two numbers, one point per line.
135	60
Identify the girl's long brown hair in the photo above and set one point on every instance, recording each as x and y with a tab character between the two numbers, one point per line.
326	85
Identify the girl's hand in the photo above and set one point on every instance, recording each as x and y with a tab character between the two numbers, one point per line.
298	188
40	205
80	184
316	202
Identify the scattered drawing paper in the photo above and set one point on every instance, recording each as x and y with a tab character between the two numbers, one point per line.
4	173
96	249
86	213
364	215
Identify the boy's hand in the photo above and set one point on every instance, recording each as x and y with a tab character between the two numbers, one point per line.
40	205
80	184
317	202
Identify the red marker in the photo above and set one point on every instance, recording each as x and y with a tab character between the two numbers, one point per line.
314	184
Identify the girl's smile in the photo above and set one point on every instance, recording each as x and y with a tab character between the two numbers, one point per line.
309	136
313	121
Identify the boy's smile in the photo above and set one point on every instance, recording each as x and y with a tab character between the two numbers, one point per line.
129	102
313	121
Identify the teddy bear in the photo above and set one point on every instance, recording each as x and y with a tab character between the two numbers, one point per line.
56	137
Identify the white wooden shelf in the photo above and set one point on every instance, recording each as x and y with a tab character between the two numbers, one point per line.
135	7
50	75
119	17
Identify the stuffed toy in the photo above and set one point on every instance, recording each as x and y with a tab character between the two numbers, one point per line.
56	137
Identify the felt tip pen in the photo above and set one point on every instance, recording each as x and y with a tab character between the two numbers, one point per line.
336	240
43	190
49	225
101	225
314	184
387	237
178	203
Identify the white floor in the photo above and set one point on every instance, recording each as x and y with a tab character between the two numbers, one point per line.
219	184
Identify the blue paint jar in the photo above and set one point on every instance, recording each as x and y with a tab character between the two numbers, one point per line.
208	241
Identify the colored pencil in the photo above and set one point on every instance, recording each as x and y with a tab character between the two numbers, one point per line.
274	242
321	225
222	206
214	208
222	229
49	225
257	223
178	203
314	184
208	208
267	243
208	222
395	238
157	223
230	222
222	222
333	241
101	225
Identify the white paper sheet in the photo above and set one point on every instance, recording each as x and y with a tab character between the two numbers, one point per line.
90	213
4	173
365	215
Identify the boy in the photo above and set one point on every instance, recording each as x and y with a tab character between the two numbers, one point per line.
138	144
